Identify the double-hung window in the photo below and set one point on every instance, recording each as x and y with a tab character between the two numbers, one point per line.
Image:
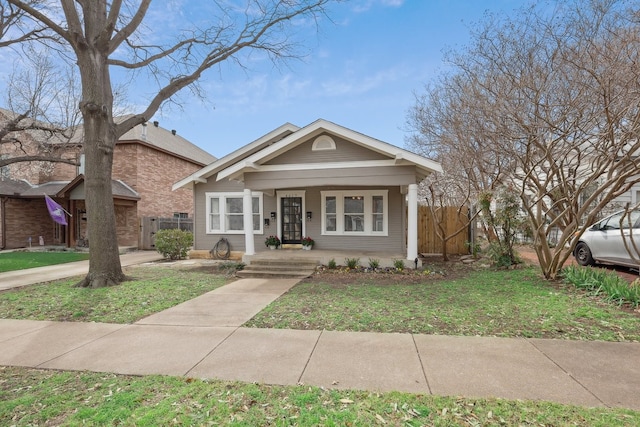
225	213
355	213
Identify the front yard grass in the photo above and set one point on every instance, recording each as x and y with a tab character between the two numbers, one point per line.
500	303
31	397
504	303
152	289
20	260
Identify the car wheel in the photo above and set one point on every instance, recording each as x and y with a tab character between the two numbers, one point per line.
583	254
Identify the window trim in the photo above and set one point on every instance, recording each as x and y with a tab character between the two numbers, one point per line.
368	212
222	196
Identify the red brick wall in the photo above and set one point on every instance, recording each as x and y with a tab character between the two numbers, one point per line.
126	225
64	171
27	218
154	174
125	164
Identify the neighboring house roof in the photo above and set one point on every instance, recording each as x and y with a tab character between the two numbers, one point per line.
151	135
253	156
13	187
49	188
24	189
165	140
119	189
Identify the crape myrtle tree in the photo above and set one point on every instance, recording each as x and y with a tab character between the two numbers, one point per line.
102	37
556	92
470	165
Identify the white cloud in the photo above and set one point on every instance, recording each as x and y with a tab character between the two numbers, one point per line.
362	84
366	5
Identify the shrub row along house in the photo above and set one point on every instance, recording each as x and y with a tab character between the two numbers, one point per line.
346	190
147	161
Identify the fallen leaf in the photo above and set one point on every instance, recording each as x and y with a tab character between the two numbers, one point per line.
379	418
346	401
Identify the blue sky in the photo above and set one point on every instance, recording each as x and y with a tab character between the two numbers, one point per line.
361	72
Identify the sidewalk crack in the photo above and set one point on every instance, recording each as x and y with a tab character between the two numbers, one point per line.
313	350
424	372
577	381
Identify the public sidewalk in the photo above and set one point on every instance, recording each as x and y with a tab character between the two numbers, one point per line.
203	338
19	278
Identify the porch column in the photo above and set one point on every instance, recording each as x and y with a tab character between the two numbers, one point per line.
247	213
412	222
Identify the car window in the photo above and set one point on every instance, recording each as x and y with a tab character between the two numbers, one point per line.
613	222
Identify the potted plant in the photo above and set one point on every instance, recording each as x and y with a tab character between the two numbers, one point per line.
307	243
272	242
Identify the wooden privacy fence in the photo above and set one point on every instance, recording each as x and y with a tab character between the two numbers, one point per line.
450	220
149	225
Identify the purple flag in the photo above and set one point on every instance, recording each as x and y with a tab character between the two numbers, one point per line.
56	211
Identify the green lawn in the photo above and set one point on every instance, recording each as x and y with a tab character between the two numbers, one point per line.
152	289
35	397
505	303
21	260
488	303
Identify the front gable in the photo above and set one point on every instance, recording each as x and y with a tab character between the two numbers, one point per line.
364	156
327	147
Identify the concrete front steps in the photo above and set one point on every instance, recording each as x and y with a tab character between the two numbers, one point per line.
278	269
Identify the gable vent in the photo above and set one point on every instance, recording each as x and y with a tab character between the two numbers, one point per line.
323	142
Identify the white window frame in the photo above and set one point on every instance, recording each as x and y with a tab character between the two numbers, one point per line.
223	206
368	212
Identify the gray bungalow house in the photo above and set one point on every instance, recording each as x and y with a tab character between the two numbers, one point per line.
345	190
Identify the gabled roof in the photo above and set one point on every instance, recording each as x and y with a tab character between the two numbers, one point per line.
23	188
165	140
236	156
152	135
119	189
252	156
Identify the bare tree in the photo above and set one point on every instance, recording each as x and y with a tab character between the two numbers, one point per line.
556	92
470	166
42	116
102	35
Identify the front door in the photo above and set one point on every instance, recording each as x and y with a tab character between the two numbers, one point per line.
291	208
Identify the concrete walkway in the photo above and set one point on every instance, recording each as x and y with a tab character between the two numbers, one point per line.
203	338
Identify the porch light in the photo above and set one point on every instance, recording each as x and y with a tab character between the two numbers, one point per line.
273	215
308	216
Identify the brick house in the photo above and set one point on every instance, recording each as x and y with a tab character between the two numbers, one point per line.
147	161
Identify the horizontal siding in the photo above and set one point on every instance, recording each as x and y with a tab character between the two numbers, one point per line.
394	242
345	151
205	241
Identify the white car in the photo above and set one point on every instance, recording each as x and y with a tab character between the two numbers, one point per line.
604	242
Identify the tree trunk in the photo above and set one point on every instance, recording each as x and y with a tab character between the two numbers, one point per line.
104	259
99	142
